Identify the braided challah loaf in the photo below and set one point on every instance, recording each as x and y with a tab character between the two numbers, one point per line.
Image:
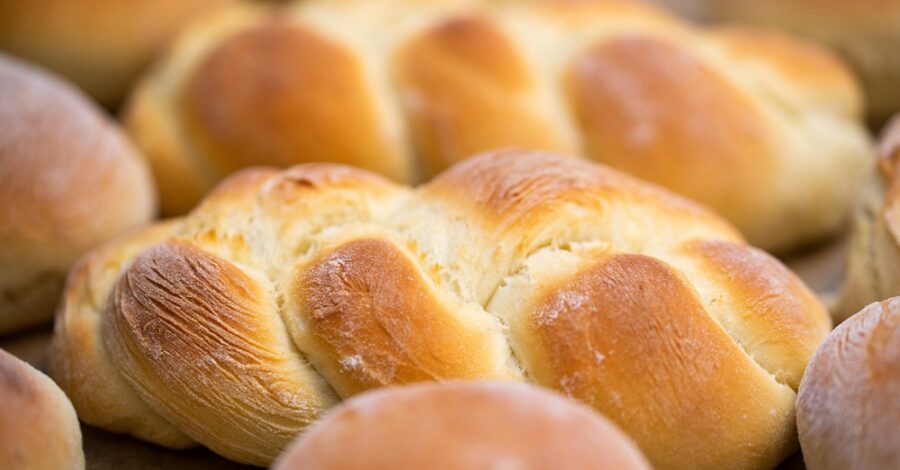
764	130
285	292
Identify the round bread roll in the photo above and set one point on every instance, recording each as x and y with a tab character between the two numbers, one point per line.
100	45
873	260
462	426
865	32
285	292
38	427
763	129
848	408
69	179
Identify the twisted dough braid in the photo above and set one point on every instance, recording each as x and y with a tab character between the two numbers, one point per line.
764	130
284	292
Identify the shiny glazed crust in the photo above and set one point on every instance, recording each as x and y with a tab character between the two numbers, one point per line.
763	129
285	292
462	425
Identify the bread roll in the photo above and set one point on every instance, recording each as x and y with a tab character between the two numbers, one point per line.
865	32
38	427
873	260
462	426
287	291
69	179
761	128
848	408
100	45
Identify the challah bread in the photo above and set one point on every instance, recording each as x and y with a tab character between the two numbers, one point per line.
78	360
69	179
285	292
101	45
462	426
763	129
38	427
865	32
873	272
848	408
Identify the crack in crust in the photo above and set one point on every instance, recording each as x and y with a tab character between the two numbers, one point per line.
285	288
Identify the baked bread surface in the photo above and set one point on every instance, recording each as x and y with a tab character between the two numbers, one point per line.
38	426
69	180
764	129
848	408
285	292
103	46
465	425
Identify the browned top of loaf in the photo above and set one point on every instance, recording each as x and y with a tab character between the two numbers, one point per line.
314	106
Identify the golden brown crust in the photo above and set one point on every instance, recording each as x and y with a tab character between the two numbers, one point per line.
516	183
756	126
781	321
69	179
181	317
847	408
38	427
101	45
79	361
865	33
822	79
636	103
366	336
466	89
481	425
375	284
629	336
315	106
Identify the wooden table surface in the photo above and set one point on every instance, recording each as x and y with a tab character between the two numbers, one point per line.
821	267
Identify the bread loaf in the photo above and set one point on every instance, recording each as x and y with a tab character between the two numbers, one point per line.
69	179
462	426
285	292
865	32
101	45
38	427
848	408
873	260
761	128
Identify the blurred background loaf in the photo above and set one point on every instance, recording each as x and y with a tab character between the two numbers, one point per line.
764	129
848	407
38	426
69	179
100	45
463	425
873	256
865	32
